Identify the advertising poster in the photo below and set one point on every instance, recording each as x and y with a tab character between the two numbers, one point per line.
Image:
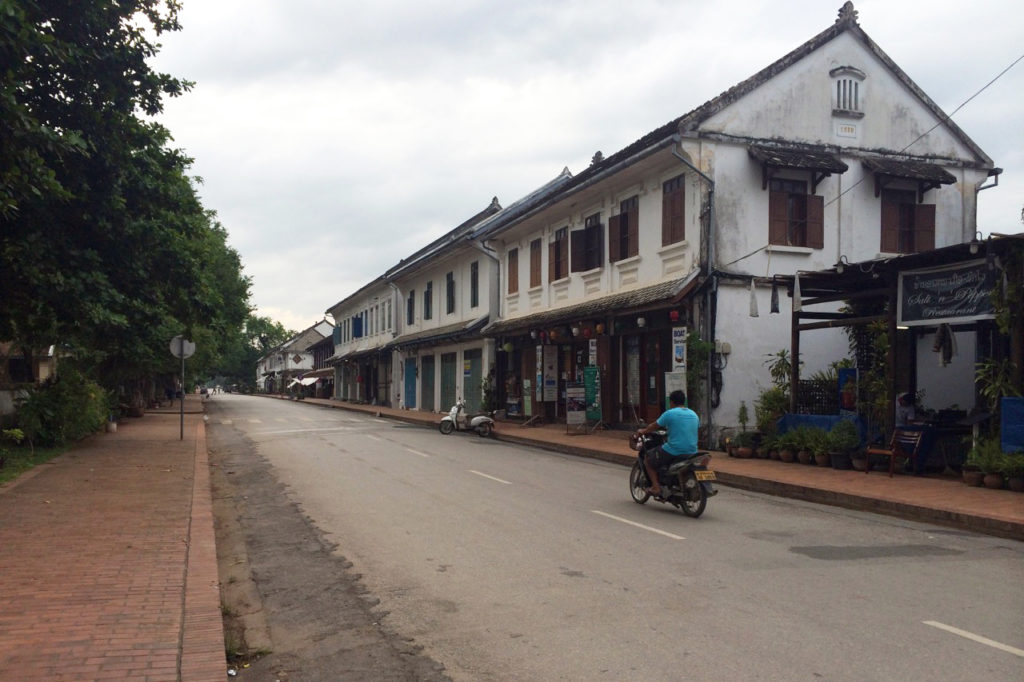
678	349
575	404
847	386
592	389
674	381
550	373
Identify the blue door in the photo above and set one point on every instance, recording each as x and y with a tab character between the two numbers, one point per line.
410	383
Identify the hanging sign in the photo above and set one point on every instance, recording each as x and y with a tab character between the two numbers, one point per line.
678	349
950	294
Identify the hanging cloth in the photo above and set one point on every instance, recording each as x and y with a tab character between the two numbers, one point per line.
753	299
945	344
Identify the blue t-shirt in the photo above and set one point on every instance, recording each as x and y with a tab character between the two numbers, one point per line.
682	423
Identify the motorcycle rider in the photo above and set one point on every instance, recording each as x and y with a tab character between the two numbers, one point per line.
681	423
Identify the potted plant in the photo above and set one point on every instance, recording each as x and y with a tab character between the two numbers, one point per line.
821	447
804	443
987	457
843	439
1013	465
787	445
744	442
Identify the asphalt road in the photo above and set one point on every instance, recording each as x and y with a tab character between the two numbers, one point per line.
507	563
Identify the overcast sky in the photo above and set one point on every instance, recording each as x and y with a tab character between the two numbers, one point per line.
336	137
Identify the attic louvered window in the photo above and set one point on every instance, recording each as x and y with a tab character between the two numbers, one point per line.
847	91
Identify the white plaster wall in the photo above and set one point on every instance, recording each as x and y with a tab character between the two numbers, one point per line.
753	338
398	362
952	385
652	265
797	105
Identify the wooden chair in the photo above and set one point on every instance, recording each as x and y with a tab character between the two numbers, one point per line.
904	443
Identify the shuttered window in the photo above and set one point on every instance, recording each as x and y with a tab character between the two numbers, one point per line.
428	301
558	255
410	307
623	239
535	246
673	227
513	271
449	286
907	227
474	284
795	218
586	245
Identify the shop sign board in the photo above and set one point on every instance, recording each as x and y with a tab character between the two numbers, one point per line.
950	294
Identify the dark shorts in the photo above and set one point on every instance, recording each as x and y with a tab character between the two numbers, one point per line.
659	458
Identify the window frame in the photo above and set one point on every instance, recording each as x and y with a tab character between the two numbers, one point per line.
795	218
586	245
673	210
428	301
558	254
906	226
535	263
512	266
450	293
623	230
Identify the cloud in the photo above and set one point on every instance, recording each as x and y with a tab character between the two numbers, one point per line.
335	138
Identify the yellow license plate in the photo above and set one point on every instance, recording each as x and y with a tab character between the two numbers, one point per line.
704	475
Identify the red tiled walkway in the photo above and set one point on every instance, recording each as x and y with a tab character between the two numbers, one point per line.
107	560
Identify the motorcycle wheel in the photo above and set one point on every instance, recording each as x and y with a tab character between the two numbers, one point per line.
485	430
695	498
638	484
446	427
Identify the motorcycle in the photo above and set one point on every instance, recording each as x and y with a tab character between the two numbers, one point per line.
458	420
685	484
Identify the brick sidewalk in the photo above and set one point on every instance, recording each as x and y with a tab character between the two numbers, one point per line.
943	501
108	562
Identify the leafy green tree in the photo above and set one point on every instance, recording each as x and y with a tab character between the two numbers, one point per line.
243	351
105	247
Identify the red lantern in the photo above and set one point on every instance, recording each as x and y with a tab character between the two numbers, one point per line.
673	315
586	332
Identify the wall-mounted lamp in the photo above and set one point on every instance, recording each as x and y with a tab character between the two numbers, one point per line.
575	331
599	328
533	334
641	322
841	265
975	244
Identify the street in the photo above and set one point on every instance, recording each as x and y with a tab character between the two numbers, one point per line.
506	563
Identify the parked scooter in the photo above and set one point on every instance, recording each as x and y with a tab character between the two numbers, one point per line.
458	420
685	484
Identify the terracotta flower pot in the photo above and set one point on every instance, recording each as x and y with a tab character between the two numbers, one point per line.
993	481
744	452
822	459
804	456
973	477
787	455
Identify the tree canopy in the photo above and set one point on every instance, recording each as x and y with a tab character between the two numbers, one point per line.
105	247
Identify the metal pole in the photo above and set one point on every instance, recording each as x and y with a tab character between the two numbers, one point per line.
181	353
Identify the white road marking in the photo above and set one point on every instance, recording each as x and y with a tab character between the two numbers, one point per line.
417	452
376	438
278	433
226	422
480	473
255	421
639	525
977	638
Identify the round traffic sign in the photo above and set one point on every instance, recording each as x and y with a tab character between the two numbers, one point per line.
182	348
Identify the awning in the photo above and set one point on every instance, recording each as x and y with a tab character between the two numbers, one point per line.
926	175
452	332
319	373
292	383
306	381
820	163
666	293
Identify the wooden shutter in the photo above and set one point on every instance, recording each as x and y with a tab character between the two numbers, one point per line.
924	227
552	258
672	223
577	247
632	233
535	263
513	271
563	254
614	236
890	242
778	218
815	221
